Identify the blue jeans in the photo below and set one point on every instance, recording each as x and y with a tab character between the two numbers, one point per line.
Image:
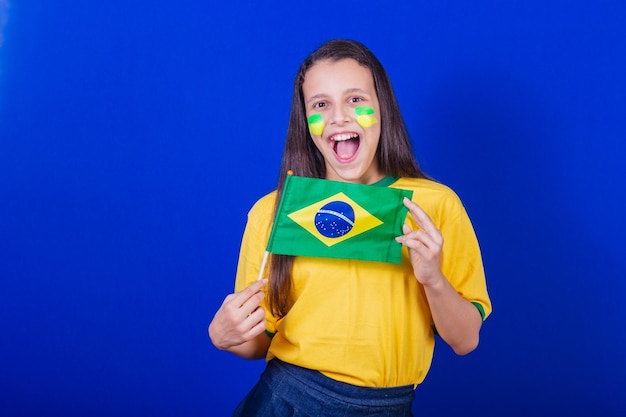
288	390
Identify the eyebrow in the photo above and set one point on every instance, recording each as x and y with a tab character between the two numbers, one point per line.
356	90
316	97
348	91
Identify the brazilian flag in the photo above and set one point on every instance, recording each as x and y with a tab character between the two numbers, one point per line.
333	219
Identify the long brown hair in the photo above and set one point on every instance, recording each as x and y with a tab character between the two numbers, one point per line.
394	155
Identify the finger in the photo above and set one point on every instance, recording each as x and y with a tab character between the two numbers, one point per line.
241	304
251	304
425	222
257	327
406	230
244	295
255	316
419	235
427	240
419	215
253	320
417	247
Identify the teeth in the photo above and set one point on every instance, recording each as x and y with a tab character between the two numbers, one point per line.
344	136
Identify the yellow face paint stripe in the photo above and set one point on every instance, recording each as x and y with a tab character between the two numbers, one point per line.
316	124
364	116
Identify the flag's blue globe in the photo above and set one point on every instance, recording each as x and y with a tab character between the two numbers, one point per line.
334	219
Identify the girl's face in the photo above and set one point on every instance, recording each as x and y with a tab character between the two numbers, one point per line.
344	119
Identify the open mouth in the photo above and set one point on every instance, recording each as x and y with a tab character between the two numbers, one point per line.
345	145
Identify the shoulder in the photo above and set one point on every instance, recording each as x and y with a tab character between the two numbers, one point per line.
260	216
264	205
425	189
437	199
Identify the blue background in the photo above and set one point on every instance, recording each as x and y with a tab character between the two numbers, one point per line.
134	137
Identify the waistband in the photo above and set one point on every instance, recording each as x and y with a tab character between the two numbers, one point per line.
353	394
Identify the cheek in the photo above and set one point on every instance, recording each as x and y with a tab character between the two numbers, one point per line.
316	124
365	116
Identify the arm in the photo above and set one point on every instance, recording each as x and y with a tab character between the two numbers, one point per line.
239	324
457	320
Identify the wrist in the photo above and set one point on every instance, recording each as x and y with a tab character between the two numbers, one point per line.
436	283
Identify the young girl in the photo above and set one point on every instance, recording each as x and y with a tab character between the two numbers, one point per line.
350	337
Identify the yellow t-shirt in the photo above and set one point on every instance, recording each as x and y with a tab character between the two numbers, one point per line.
367	323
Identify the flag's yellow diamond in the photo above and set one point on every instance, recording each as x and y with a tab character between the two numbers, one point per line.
362	222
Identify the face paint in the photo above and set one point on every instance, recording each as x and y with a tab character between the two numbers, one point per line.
316	124
364	116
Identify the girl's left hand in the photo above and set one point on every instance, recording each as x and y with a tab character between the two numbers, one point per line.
425	245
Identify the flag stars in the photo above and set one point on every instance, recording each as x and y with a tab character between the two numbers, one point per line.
335	219
331	228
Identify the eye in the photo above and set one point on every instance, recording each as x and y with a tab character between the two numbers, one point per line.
319	105
355	100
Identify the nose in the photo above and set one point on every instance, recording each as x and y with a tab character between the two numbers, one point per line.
340	115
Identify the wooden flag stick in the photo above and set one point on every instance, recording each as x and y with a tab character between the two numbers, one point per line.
263	265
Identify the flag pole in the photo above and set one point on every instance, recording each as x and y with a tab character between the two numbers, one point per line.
263	266
280	204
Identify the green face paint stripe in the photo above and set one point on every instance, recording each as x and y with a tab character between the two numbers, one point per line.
315	118
364	110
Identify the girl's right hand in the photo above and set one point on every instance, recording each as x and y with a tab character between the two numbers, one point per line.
240	319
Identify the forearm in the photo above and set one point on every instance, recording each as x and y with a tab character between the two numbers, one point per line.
255	348
457	320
